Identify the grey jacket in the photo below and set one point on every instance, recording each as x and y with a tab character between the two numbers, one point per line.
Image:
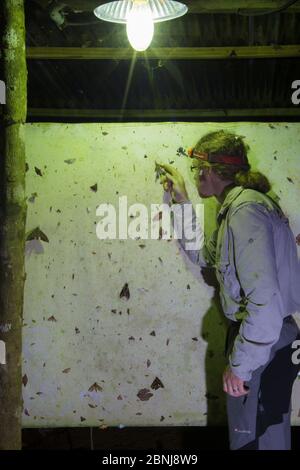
255	256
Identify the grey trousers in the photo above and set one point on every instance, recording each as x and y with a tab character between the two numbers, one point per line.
261	419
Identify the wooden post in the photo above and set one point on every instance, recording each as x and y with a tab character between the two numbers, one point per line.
12	220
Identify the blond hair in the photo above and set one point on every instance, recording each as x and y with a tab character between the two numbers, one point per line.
226	143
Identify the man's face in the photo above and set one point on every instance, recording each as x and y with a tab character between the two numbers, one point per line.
204	180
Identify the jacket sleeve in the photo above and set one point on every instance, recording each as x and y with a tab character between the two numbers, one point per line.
191	236
251	230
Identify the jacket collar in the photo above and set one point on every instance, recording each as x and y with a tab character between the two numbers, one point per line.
231	196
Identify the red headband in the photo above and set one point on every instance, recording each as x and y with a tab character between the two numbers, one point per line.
219	158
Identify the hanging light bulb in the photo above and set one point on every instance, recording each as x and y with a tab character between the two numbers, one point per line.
139	25
139	16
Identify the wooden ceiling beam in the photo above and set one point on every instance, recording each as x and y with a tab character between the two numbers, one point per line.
162	113
171	53
237	6
195	6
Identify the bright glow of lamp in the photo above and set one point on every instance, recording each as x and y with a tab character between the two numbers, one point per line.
139	16
140	26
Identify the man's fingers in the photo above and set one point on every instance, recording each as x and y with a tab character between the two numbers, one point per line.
235	390
239	386
165	177
168	168
171	178
230	388
233	385
166	182
172	173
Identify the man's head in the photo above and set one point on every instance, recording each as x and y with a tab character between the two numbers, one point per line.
217	158
208	182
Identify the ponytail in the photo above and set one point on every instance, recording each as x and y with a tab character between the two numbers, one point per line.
252	180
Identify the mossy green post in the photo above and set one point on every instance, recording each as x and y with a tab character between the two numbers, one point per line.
13	219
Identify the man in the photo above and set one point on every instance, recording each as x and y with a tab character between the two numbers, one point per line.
254	253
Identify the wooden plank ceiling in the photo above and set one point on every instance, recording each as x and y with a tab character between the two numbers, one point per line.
223	60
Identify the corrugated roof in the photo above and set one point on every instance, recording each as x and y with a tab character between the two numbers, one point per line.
164	84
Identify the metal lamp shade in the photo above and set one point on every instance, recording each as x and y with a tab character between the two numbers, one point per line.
162	10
